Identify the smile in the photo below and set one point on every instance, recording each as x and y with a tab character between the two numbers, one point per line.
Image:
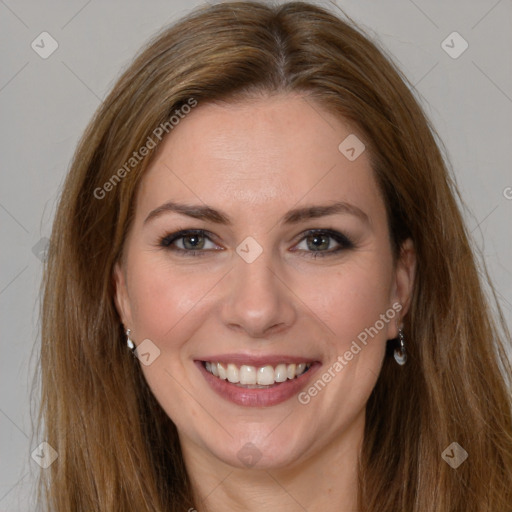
263	383
256	377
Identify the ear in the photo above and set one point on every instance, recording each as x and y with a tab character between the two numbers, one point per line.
121	298
402	287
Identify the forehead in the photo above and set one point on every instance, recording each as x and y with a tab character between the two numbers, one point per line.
267	154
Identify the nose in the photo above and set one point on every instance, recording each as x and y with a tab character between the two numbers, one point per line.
258	301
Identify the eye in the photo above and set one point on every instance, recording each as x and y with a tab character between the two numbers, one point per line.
193	242
318	242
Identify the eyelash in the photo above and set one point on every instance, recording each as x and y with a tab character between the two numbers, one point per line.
344	242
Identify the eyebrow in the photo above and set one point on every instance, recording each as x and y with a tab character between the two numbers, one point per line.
294	216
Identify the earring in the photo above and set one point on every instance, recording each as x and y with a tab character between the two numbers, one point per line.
129	342
400	353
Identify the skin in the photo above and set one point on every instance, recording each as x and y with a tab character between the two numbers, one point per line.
256	160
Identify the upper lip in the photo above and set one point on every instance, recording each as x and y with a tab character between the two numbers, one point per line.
259	360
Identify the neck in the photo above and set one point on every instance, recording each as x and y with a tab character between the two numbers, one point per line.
326	481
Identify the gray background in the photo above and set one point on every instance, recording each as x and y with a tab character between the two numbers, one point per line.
45	105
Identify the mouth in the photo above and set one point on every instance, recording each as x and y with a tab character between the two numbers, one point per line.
260	384
262	377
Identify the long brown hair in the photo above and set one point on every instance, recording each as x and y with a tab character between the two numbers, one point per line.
117	448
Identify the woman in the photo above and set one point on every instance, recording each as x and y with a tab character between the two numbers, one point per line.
260	291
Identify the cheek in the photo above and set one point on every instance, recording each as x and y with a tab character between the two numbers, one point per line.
352	299
162	298
166	306
355	306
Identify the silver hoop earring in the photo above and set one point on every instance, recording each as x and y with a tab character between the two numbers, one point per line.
400	353
129	342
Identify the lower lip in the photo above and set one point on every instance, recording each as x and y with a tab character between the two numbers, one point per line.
257	397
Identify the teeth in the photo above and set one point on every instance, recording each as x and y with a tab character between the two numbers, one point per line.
266	376
221	371
233	373
251	376
280	373
247	375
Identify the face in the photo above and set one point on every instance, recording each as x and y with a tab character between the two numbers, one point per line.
235	266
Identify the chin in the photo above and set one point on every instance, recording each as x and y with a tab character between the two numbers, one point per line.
246	453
